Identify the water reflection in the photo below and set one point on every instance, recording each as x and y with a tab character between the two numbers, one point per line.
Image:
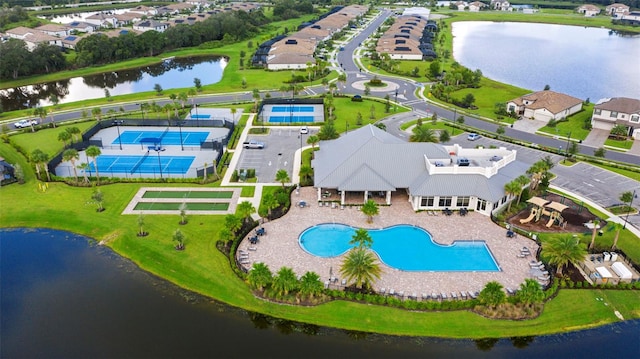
54	287
168	74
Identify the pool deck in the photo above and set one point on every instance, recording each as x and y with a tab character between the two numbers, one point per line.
279	247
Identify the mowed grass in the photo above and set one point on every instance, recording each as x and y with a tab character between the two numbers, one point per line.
174	206
187	194
46	140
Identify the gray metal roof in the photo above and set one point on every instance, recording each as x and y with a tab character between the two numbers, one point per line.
370	159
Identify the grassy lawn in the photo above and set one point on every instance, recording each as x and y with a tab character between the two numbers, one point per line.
573	125
347	112
426	122
621	144
174	206
188	194
631	174
46	140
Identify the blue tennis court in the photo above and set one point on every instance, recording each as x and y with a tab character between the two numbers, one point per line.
290	118
143	164
292	109
201	117
189	138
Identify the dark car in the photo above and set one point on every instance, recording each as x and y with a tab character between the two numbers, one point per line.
463	161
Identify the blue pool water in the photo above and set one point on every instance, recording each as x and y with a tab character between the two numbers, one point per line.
142	164
403	247
292	108
189	138
201	117
291	118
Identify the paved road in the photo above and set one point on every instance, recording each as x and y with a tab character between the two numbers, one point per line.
405	94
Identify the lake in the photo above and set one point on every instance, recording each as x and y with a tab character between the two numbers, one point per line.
171	73
61	295
583	62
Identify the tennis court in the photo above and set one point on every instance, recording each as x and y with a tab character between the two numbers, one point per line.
143	164
292	108
295	118
189	138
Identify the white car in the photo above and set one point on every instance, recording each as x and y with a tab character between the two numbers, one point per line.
304	130
473	136
25	123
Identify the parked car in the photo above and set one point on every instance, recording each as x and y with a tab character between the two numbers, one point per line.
304	130
463	161
253	144
473	136
25	123
495	158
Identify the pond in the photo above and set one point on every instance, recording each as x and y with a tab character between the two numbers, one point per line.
171	73
62	295
584	62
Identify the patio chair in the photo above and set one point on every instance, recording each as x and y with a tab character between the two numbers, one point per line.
392	291
454	296
443	295
344	282
253	248
382	291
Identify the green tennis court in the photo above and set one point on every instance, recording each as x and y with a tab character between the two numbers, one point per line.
188	194
175	206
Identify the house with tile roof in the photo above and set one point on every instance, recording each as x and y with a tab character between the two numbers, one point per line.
407	39
545	105
617	9
148	25
588	10
54	29
501	5
477	6
617	111
370	162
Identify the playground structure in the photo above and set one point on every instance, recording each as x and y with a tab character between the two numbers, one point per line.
542	207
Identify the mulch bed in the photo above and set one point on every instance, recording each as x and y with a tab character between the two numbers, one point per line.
575	217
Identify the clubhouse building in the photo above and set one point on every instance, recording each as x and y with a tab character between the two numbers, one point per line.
369	163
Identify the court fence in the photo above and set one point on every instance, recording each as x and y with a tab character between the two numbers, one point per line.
216	144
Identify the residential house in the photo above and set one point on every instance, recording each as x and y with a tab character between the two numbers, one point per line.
32	37
460	5
477	6
144	11
501	5
545	105
369	163
588	10
102	20
617	9
70	42
408	39
147	25
19	32
617	111
54	29
127	19
632	18
82	26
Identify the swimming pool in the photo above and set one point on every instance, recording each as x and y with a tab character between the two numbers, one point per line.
403	247
201	117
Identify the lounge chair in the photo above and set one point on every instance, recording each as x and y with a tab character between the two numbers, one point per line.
434	296
414	296
463	294
521	255
454	295
253	248
344	282
382	291
401	294
444	295
510	291
535	264
425	296
392	291
473	295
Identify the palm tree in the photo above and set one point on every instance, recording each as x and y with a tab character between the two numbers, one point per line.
530	292
492	294
313	141
285	281
97	113
245	210
41	112
370	209
310	284
98	199
561	251
74	132
360	267
141	231
523	181
233	113
183	98
94	152
183	213
282	176
594	232
617	227
233	223
71	155
85	169
64	136
423	134
512	189
178	237
306	172
36	156
260	276
270	202
361	239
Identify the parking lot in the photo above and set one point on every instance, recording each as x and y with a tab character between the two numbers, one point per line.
278	153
